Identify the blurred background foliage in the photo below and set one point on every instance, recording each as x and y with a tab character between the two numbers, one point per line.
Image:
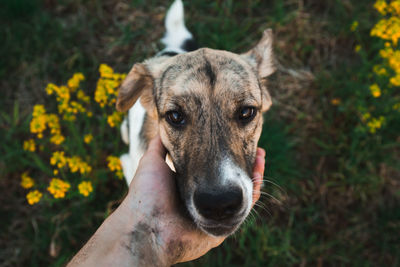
334	184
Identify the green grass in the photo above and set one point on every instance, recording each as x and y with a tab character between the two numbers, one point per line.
337	187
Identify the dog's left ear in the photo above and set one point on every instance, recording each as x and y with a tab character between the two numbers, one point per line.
138	83
262	59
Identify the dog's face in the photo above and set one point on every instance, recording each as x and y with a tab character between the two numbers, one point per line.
208	105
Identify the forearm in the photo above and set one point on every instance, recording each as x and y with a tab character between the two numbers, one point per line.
121	242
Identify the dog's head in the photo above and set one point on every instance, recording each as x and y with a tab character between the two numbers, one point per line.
208	104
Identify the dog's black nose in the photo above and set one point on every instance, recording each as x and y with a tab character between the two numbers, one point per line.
220	205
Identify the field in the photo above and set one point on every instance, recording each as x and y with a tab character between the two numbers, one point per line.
332	136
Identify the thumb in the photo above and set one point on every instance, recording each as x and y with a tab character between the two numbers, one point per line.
154	157
156	149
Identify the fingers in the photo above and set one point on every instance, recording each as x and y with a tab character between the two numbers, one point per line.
258	174
154	157
260	152
156	148
259	164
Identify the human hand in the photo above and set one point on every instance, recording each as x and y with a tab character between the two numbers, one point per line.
150	227
154	202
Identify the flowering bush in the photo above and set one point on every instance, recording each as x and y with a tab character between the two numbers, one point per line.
382	105
70	142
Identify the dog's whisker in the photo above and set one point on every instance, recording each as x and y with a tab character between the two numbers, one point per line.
262	207
251	217
256	214
273	183
270	196
268	180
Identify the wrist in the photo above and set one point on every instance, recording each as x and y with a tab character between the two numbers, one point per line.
141	245
139	235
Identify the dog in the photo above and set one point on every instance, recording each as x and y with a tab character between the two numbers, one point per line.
207	107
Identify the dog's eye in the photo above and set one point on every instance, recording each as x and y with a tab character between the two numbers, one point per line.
176	118
246	114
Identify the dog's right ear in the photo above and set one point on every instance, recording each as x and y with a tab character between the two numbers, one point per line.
261	56
262	59
138	81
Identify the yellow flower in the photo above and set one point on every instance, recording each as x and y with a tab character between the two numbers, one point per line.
366	116
55	172
76	107
75	164
107	86
26	181
395	80
38	124
375	90
51	88
58	158
375	123
69	117
53	122
106	71
34	197
29	145
88	138
114	164
38	110
81	96
100	95
58	187
379	70
357	48
84	168
393	58
395	7
381	6
114	119
335	101
119	174
39	119
85	188
73	83
354	26
57	139
387	29
63	94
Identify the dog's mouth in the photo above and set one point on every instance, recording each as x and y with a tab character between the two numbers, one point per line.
219	229
217	205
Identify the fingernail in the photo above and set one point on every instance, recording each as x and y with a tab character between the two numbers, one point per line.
261	152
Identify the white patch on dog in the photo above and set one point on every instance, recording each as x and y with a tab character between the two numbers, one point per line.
130	161
247	186
231	174
125	131
177	32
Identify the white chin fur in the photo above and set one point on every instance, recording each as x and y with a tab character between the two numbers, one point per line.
231	174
